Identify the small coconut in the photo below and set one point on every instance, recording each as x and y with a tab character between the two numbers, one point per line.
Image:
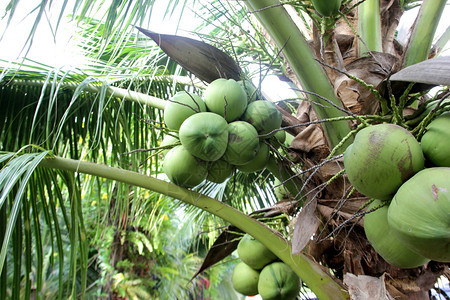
436	141
252	92
245	279
226	97
181	106
219	171
327	8
278	281
264	116
169	141
184	169
258	162
280	135
254	253
243	143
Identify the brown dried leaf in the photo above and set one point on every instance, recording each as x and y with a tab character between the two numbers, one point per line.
311	137
328	212
224	245
351	205
363	287
281	207
306	225
204	61
372	70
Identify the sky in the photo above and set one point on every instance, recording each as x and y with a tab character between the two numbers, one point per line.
59	50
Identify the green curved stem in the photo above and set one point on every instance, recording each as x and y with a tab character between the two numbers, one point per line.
310	272
419	44
369	27
286	35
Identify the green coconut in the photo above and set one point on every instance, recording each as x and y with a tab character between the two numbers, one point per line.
226	97
169	141
240	47
184	169
259	162
254	253
381	158
419	213
280	136
277	281
252	92
264	116
384	241
205	135
181	106
280	190
219	171
243	143
327	8
436	141
289	140
245	279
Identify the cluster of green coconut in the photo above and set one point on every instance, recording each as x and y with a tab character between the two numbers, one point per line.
410	221
225	129
260	272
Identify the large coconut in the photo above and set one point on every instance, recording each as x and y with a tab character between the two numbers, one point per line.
258	162
384	241
381	158
245	279
254	253
226	98
184	169
419	213
277	281
181	106
436	141
243	143
205	135
264	116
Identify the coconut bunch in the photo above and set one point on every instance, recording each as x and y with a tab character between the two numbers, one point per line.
259	272
408	220
226	129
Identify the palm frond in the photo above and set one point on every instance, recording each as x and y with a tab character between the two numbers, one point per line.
74	116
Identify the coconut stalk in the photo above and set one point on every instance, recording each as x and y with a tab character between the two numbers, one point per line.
311	273
369	27
287	36
424	29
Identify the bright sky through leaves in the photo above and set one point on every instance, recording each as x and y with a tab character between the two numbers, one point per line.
60	50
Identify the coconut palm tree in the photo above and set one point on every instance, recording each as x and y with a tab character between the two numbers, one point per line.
68	136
